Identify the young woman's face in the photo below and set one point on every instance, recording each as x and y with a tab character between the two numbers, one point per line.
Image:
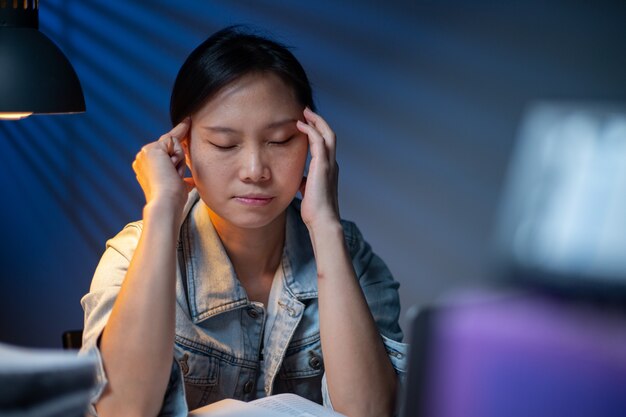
245	153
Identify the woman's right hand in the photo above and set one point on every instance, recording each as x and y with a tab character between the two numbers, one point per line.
160	169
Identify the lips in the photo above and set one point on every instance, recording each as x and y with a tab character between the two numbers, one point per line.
254	199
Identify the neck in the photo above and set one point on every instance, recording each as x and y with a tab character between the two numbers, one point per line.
253	252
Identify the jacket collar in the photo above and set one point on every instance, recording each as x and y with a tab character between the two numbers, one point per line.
211	283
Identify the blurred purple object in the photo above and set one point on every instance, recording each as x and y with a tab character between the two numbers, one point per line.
521	355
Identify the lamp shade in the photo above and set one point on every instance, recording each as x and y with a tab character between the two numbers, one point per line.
35	76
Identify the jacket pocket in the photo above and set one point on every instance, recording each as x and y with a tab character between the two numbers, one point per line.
302	369
200	373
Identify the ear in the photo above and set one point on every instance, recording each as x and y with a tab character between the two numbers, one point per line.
186	150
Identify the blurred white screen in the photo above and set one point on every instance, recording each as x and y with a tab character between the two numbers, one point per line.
564	207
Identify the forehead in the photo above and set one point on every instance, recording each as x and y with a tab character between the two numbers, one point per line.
253	98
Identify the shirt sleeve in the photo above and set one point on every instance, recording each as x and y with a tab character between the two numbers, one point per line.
381	293
97	305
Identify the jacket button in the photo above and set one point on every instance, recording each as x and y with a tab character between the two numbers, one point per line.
315	362
253	313
247	388
183	364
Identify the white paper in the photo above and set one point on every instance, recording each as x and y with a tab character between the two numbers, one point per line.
294	405
231	408
281	405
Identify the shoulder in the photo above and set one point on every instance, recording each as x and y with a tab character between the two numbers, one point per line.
126	240
352	235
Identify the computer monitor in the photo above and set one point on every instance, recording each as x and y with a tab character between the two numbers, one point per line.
562	219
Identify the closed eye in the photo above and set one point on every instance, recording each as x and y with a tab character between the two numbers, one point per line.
282	142
223	148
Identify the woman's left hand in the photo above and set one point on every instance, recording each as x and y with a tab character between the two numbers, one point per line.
319	189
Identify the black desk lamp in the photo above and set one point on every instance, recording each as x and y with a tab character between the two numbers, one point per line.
35	76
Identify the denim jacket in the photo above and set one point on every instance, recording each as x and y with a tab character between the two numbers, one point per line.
218	352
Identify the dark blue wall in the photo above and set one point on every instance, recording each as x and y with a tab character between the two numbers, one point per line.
425	98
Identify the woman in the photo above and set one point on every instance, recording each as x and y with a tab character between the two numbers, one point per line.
230	286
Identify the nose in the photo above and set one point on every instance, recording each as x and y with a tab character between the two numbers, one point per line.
254	167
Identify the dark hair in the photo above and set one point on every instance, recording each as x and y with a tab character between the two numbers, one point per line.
226	56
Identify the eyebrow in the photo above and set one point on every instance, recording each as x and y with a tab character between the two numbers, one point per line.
273	125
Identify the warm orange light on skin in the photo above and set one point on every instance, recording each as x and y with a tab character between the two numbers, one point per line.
14	116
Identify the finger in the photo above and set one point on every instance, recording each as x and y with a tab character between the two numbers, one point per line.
177	147
316	141
181	170
176	151
181	129
179	164
326	132
179	132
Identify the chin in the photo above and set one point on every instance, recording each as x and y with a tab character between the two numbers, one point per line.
251	217
252	221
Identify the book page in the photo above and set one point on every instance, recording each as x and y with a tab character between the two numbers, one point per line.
231	408
281	405
294	405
